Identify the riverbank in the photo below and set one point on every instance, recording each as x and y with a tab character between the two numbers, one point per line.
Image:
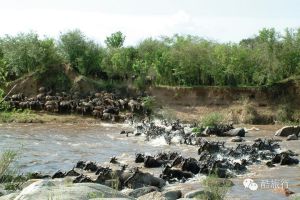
44	117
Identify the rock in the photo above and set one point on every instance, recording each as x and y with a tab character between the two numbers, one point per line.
152	195
288	130
11	196
58	174
236	132
172	195
142	191
237	139
199	194
292	137
60	189
72	172
140	179
270	164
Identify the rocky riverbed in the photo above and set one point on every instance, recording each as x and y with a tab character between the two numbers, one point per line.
161	158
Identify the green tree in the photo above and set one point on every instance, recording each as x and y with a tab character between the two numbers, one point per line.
115	40
83	54
22	54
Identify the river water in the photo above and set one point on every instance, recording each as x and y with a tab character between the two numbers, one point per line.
51	147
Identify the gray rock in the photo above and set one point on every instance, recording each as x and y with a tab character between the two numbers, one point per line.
63	190
288	130
152	195
198	194
292	137
236	132
237	139
142	191
172	195
141	179
11	196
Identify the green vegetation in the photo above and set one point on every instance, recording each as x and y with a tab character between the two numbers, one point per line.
9	115
212	119
19	116
9	175
216	187
149	103
179	60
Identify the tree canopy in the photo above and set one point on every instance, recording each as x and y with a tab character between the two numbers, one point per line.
180	60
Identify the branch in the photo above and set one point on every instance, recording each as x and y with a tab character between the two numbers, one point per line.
8	93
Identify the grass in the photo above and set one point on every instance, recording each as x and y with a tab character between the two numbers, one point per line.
216	188
212	119
19	116
9	174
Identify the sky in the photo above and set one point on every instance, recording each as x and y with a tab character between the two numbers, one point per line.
219	20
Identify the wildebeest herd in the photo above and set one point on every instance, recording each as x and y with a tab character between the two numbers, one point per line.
102	105
213	158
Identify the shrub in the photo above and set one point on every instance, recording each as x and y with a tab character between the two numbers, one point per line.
212	119
149	103
216	187
9	175
285	113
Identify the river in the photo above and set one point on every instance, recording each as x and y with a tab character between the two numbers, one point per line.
51	147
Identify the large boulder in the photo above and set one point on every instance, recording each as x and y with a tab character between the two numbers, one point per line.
172	195
64	189
152	195
235	132
141	179
288	130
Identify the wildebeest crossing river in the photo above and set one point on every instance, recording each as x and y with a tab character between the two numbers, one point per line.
51	147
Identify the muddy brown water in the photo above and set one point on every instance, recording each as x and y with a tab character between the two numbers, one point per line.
51	147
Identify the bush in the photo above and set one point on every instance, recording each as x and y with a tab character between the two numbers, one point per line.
216	187
285	113
212	119
149	103
4	106
9	175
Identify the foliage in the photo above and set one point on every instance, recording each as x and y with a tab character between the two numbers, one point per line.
4	106
18	116
83	54
148	103
25	53
180	60
212	119
216	187
8	174
285	113
115	40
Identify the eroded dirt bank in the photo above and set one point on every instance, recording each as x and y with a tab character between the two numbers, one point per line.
238	104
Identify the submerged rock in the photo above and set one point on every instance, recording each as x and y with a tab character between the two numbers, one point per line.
288	130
